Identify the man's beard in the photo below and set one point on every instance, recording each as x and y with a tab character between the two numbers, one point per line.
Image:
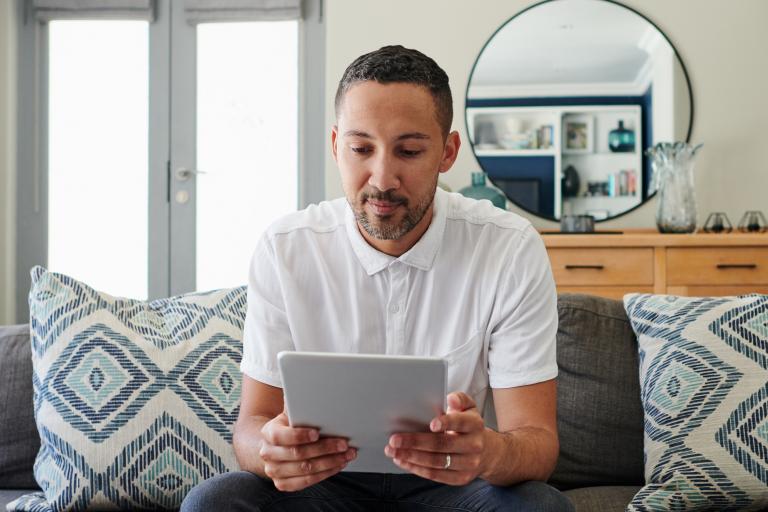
386	227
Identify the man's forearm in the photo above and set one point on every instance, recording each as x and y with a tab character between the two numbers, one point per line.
247	443
519	455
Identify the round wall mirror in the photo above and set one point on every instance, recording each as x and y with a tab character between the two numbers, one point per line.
564	99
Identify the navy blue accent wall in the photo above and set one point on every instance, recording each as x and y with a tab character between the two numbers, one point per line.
559	101
509	169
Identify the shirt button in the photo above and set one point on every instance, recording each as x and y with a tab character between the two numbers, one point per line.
394	308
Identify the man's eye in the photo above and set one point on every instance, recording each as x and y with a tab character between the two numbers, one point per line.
410	152
360	149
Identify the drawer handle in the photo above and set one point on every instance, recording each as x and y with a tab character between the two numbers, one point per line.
580	267
725	266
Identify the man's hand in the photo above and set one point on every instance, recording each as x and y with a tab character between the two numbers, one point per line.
458	434
295	458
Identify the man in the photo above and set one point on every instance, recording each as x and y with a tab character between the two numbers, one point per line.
400	267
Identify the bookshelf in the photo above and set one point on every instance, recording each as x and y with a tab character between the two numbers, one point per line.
520	145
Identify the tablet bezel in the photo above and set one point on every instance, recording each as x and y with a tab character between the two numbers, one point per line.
364	398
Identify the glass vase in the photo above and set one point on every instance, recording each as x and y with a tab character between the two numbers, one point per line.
621	140
479	190
673	179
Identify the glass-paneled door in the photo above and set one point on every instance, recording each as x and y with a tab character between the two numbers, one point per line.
234	153
155	152
97	134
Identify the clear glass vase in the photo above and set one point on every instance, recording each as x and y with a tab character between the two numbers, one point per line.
673	179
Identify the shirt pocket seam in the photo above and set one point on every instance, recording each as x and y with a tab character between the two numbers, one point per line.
453	360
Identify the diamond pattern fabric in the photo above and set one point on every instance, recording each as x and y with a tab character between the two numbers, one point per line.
704	389
134	400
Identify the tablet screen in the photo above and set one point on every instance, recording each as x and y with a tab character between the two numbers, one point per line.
363	398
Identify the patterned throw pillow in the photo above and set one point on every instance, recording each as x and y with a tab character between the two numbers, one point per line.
134	400
704	389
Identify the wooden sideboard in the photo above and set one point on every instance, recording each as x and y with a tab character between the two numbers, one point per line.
611	265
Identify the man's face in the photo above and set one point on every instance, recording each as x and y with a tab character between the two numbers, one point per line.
390	150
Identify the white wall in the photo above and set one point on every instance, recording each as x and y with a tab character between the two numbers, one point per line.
722	46
7	159
663	93
721	43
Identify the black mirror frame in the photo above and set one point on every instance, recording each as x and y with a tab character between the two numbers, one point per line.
487	42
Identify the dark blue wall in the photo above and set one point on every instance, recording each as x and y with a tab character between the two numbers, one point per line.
504	171
556	101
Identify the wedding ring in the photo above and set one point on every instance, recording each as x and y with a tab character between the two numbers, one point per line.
447	461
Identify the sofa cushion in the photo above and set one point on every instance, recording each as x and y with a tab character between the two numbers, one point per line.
134	400
704	378
19	441
599	416
610	498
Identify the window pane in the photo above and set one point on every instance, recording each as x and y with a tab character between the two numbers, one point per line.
247	96
98	130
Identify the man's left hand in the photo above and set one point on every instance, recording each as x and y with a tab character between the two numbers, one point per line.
452	453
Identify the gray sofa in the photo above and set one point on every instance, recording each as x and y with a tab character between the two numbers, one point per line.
600	418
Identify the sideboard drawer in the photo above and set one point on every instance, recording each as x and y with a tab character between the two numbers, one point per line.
717	265
695	290
610	292
602	266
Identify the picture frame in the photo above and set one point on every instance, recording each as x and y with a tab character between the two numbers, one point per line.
578	134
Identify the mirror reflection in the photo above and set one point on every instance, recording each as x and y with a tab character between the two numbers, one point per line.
564	99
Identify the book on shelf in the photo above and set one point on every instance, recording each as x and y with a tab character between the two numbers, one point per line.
545	136
622	183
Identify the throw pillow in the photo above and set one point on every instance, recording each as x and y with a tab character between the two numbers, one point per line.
134	400
704	389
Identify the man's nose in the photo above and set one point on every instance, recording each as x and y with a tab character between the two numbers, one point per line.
383	173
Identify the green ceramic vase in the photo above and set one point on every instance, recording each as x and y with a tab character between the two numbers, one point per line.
479	190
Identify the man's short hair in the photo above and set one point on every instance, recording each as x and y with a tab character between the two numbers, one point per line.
395	64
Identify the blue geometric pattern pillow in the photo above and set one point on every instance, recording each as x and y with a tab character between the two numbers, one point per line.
704	389
32	502
134	400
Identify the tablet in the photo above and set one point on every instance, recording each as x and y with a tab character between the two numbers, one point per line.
363	398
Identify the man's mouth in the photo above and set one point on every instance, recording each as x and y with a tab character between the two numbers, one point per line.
381	207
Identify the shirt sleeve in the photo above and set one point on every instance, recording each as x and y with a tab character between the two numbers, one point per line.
522	345
266	331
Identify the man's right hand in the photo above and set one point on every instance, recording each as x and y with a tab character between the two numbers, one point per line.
295	458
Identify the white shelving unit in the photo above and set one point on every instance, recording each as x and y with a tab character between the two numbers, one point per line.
505	131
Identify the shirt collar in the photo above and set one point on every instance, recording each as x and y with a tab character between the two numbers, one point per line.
421	255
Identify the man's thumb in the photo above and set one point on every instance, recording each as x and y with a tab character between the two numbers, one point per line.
459	401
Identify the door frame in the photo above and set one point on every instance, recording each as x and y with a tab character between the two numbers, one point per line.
171	270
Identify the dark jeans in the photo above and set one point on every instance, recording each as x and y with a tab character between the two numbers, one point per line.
371	492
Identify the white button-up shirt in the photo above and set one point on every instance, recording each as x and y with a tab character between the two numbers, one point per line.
476	289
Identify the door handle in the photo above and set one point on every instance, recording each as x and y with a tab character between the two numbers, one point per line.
183	174
723	266
579	267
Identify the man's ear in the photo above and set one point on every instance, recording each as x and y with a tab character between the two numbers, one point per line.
450	151
334	141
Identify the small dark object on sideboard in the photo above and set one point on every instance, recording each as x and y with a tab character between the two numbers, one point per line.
577	224
753	221
717	222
